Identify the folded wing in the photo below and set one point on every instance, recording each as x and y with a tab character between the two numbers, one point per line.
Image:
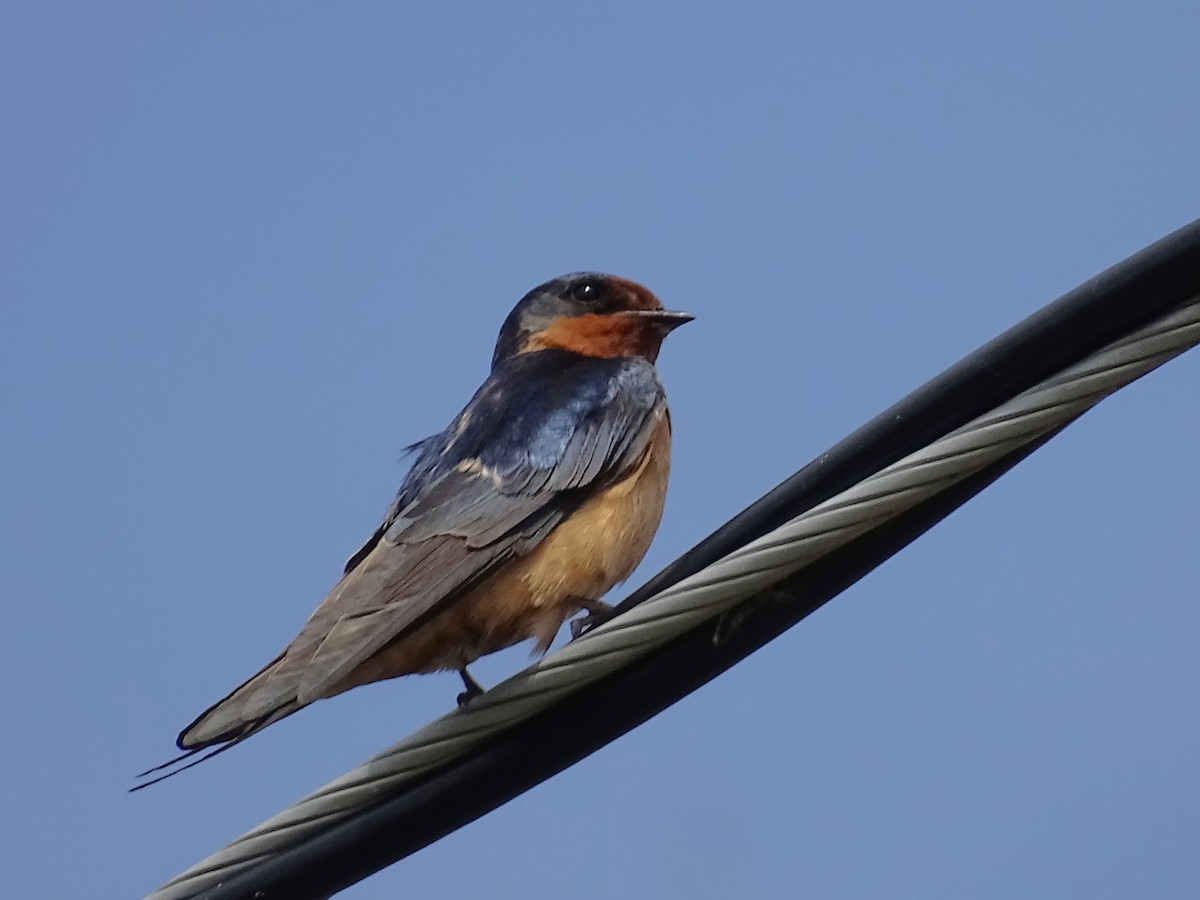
542	431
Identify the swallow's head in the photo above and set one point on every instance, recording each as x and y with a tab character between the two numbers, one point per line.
589	313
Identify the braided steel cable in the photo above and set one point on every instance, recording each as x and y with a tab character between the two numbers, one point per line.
711	592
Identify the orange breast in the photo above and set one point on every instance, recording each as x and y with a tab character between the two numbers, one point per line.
596	547
603	541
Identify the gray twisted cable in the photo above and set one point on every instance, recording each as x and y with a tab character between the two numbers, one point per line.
713	591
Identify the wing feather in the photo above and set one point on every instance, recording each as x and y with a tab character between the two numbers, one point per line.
514	463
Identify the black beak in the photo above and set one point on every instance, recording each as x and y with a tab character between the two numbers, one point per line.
665	319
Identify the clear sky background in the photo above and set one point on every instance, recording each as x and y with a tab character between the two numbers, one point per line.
252	250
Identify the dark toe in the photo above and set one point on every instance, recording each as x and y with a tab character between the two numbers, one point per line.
584	624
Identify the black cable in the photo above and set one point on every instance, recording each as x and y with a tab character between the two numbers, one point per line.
1104	309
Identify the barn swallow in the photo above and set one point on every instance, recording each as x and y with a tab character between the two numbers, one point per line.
540	496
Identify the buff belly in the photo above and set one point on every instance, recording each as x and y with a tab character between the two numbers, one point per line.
596	547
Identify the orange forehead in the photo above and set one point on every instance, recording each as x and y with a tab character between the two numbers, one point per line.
640	297
604	336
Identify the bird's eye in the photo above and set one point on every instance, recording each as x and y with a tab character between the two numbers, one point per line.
586	292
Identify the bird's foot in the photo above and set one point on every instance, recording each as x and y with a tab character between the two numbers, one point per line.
598	612
474	688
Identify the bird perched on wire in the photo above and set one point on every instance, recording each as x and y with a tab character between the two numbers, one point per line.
543	493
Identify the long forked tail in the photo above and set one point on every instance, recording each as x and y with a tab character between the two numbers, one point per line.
225	724
180	762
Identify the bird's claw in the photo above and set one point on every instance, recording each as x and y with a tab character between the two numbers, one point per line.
473	688
597	615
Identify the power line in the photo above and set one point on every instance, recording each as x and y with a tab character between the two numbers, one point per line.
837	519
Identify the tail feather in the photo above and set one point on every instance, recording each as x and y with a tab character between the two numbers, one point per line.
226	719
250	729
170	762
227	724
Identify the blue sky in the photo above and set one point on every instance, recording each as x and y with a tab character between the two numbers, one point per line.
252	251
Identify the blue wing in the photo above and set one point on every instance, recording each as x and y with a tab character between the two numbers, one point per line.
543	422
541	431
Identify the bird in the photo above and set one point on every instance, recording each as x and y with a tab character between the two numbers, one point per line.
541	495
